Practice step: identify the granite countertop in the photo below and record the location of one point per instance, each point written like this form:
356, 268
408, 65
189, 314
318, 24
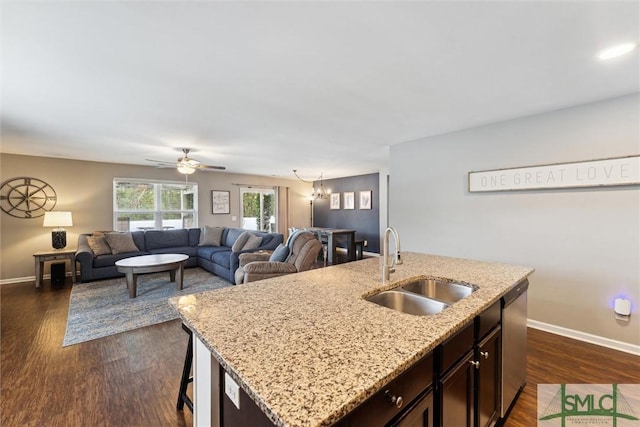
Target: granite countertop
307, 348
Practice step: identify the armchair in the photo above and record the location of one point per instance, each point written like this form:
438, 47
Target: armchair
303, 251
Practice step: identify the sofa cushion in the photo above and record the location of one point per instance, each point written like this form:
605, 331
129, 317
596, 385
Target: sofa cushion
121, 243
252, 242
222, 258
158, 239
206, 252
240, 241
231, 235
192, 251
194, 236
110, 260
98, 245
280, 254
211, 236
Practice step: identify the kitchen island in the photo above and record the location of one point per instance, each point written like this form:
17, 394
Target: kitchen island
307, 349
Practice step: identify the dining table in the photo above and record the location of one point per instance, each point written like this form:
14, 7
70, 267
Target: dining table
333, 234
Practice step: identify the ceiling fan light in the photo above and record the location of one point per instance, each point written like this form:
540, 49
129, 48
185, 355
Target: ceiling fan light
185, 168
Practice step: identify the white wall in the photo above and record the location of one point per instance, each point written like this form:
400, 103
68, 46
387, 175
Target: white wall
583, 243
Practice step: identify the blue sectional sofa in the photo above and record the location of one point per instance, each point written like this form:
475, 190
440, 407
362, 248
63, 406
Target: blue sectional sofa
219, 260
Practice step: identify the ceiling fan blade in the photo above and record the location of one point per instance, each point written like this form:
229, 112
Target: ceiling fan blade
162, 163
210, 167
189, 162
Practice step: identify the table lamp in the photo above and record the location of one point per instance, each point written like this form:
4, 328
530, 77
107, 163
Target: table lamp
58, 220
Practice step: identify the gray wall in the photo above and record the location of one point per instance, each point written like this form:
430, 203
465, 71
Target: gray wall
366, 222
583, 243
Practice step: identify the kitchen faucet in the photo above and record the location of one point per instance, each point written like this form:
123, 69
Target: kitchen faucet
397, 260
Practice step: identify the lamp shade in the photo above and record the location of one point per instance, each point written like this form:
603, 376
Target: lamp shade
57, 219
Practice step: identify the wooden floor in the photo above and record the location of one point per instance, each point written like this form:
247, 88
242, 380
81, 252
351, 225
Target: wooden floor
131, 379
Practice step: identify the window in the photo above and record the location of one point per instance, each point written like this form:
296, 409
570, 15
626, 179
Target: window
142, 204
258, 209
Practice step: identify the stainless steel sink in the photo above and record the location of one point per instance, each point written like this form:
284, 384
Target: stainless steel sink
409, 303
440, 290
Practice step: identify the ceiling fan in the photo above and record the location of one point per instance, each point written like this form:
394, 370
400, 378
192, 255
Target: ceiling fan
186, 165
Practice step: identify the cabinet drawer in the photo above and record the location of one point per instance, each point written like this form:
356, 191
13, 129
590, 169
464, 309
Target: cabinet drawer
56, 257
455, 347
487, 320
379, 410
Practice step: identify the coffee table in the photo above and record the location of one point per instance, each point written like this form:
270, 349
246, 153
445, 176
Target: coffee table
131, 267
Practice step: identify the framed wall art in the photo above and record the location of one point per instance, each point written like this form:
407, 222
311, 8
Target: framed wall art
334, 202
365, 200
349, 200
220, 202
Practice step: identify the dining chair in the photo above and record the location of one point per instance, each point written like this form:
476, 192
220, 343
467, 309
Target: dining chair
324, 240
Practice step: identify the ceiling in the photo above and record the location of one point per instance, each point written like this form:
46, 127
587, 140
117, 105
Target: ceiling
267, 87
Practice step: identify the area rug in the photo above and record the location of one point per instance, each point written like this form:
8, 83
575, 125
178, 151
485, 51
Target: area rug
102, 308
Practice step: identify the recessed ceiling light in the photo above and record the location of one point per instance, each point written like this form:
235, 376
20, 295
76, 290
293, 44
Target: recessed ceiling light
616, 51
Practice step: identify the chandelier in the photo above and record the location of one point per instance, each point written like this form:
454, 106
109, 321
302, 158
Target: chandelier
318, 193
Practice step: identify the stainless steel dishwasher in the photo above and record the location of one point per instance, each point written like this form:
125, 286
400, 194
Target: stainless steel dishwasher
514, 343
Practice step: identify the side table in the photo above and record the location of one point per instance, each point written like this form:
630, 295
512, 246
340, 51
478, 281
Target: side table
41, 257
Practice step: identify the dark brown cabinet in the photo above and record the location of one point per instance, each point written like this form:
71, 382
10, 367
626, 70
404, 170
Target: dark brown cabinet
420, 414
469, 369
456, 394
488, 353
455, 363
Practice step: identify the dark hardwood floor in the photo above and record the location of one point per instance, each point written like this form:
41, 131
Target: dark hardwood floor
132, 379
553, 359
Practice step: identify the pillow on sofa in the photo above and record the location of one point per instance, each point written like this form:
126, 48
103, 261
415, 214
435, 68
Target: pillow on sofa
121, 243
98, 245
245, 241
252, 242
280, 254
210, 236
240, 241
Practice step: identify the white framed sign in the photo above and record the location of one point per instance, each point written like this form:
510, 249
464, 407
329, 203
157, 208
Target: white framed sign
588, 173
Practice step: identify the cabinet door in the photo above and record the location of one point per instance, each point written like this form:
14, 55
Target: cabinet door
456, 394
420, 414
488, 380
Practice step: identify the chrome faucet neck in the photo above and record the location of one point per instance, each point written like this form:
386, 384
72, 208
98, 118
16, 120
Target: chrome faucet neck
386, 268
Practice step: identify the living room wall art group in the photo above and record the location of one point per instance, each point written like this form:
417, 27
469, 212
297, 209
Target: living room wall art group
349, 200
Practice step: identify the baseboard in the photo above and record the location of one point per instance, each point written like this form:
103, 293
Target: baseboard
17, 280
583, 336
31, 279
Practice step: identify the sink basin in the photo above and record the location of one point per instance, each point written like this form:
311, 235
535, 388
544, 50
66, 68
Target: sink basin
406, 302
440, 290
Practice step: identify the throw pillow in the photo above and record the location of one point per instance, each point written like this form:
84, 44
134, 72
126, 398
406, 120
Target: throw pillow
240, 241
280, 254
210, 236
98, 245
252, 242
121, 243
